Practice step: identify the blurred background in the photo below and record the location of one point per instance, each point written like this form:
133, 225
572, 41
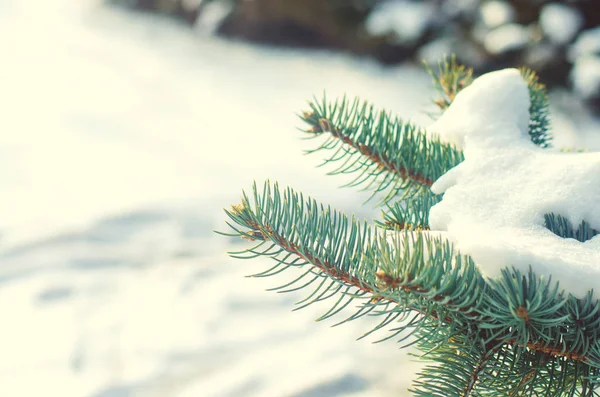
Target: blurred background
559, 39
127, 126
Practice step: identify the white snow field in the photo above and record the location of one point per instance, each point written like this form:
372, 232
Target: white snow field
122, 137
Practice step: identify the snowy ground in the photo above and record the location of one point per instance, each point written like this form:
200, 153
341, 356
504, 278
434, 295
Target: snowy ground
122, 137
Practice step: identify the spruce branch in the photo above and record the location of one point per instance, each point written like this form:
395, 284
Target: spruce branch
387, 268
428, 291
387, 154
539, 118
450, 78
562, 227
412, 214
515, 335
450, 376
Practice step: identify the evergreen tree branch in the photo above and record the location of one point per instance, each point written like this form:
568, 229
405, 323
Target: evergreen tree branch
562, 227
413, 214
354, 255
451, 78
387, 154
524, 381
416, 274
539, 117
514, 335
460, 367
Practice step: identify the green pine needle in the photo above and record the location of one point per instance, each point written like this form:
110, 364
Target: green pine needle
508, 335
450, 78
387, 155
539, 118
411, 214
561, 226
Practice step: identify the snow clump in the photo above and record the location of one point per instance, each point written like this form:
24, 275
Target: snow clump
494, 202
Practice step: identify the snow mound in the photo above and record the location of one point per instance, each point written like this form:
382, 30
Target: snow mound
494, 202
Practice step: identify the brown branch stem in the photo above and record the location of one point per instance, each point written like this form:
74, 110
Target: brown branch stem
475, 374
390, 282
382, 161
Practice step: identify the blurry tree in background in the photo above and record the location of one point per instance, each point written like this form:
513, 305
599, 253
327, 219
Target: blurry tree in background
559, 39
